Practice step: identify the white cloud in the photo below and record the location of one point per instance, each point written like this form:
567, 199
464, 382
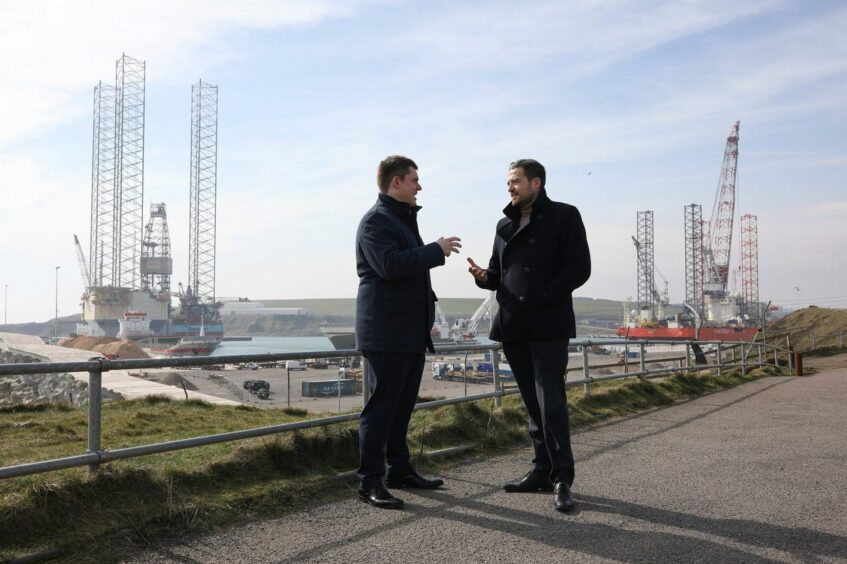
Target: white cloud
54, 52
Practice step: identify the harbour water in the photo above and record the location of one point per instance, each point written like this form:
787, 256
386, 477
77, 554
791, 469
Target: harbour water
263, 345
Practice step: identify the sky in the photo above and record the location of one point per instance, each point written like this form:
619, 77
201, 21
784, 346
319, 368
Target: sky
627, 103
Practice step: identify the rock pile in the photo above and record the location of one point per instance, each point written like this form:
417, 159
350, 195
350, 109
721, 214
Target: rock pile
38, 388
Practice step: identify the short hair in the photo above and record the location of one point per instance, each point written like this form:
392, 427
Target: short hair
391, 166
531, 169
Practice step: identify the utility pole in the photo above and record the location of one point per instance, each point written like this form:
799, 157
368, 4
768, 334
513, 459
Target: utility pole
56, 319
798, 297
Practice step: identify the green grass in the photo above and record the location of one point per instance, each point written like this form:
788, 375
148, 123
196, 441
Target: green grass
132, 502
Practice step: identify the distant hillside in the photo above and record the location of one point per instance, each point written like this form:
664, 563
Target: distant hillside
818, 321
585, 308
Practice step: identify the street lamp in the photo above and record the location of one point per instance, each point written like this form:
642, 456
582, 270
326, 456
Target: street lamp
56, 320
798, 298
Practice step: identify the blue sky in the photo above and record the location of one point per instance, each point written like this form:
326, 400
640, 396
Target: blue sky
313, 94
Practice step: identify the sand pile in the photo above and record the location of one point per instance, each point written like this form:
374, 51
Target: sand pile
117, 348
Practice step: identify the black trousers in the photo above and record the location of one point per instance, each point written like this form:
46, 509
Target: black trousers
394, 379
539, 369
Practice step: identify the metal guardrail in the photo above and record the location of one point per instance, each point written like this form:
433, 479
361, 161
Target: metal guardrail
96, 455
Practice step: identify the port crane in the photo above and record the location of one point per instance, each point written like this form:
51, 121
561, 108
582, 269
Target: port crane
465, 329
719, 246
83, 266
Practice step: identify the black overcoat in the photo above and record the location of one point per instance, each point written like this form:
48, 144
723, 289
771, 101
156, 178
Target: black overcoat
395, 305
535, 269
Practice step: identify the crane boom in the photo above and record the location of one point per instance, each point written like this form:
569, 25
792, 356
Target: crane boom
83, 267
723, 214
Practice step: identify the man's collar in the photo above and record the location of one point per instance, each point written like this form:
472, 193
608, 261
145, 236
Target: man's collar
397, 205
541, 201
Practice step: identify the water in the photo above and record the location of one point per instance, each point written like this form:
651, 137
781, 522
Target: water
263, 345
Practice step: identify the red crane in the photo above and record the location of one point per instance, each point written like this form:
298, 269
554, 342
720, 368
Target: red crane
723, 212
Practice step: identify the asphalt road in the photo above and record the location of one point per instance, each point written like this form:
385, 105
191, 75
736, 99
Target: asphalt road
753, 474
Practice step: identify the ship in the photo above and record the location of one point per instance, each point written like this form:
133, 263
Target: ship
199, 345
706, 333
342, 338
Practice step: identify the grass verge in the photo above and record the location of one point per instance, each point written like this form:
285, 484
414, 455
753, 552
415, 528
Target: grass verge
133, 503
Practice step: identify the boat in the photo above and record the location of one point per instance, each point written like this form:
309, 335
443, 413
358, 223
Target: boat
342, 338
199, 345
733, 333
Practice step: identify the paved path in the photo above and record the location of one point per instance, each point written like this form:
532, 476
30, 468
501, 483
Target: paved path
753, 474
118, 381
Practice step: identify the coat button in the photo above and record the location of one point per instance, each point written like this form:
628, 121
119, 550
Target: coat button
521, 299
526, 269
532, 241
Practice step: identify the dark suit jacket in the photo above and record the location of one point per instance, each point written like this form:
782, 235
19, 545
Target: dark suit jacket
395, 306
535, 270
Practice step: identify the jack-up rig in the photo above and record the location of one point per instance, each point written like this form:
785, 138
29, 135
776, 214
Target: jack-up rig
127, 277
711, 311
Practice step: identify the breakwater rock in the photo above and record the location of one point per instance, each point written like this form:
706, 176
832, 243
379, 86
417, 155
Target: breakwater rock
19, 389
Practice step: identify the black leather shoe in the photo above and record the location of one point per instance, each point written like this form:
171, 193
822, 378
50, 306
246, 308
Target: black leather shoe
414, 480
532, 481
378, 496
562, 498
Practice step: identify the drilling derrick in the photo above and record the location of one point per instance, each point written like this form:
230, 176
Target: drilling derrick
750, 267
156, 262
723, 213
694, 257
102, 233
203, 198
646, 266
129, 169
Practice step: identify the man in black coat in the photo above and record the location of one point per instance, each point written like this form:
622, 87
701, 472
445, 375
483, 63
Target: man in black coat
395, 310
540, 257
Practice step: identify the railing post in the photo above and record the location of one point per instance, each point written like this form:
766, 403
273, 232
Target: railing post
366, 385
761, 355
625, 358
718, 358
642, 363
95, 404
465, 372
498, 400
743, 360
288, 379
585, 387
776, 357
790, 360
688, 355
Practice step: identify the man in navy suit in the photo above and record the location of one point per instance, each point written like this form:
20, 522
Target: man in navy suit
395, 310
540, 257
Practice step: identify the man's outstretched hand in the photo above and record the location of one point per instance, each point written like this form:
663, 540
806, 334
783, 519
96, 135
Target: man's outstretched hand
479, 273
449, 245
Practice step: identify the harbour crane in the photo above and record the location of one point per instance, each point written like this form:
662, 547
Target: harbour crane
723, 213
83, 265
465, 329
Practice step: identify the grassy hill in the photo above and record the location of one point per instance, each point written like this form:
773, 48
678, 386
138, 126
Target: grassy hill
801, 325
